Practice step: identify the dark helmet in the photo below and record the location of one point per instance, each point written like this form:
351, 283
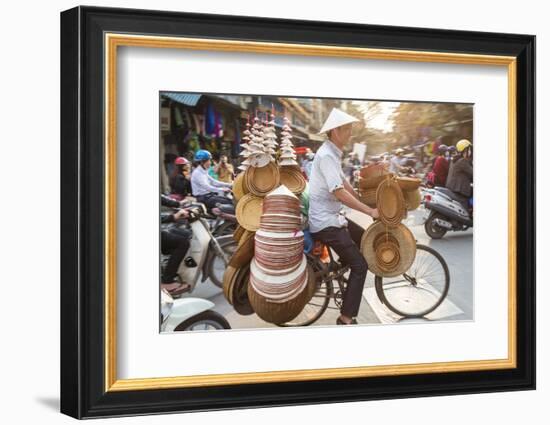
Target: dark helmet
442, 148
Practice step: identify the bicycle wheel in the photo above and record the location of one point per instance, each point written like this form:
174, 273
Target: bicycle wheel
418, 291
320, 300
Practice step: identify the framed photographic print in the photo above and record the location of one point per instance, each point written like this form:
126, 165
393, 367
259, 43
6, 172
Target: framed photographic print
261, 212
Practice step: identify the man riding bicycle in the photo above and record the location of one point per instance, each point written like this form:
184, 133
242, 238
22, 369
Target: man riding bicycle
329, 191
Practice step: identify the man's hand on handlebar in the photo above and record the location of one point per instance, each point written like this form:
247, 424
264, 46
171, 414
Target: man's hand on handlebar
181, 214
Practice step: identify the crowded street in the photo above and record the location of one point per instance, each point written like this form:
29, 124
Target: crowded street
456, 248
314, 212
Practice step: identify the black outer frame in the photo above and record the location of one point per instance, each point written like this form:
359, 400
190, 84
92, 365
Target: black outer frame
82, 206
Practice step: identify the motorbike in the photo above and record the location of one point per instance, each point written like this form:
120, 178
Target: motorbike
208, 255
225, 221
445, 212
189, 314
221, 219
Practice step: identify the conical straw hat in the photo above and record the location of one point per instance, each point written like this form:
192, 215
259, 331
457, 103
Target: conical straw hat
368, 197
249, 212
228, 276
337, 118
413, 198
239, 292
244, 252
262, 180
287, 162
239, 186
408, 183
390, 202
389, 251
293, 179
238, 233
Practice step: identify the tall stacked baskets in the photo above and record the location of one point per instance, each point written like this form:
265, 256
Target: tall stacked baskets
388, 245
268, 274
278, 289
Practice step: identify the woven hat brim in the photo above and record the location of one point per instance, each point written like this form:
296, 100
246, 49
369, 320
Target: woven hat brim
413, 199
293, 179
244, 252
408, 183
390, 202
249, 212
261, 181
407, 248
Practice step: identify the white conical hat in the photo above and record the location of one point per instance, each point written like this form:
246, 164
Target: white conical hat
287, 161
337, 118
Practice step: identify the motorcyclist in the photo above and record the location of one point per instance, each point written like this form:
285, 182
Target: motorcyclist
461, 173
179, 180
395, 162
307, 163
440, 166
174, 243
205, 188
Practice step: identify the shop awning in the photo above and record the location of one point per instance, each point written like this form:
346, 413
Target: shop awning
183, 98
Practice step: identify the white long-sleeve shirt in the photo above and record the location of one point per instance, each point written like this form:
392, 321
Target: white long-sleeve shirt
202, 183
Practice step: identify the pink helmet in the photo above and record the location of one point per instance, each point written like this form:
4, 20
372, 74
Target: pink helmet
180, 160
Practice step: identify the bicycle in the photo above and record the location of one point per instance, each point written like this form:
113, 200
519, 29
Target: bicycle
415, 293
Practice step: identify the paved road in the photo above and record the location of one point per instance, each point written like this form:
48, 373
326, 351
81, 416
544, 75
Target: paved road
456, 249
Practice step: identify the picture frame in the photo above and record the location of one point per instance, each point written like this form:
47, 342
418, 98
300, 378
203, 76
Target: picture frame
90, 39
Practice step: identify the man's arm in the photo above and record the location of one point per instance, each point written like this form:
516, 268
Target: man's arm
350, 201
349, 188
216, 184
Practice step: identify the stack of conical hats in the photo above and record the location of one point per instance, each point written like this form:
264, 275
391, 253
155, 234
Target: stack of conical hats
268, 272
287, 155
245, 148
388, 245
262, 175
279, 285
270, 137
290, 174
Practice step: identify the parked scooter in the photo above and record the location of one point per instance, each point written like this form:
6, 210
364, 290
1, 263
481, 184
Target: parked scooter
208, 255
446, 212
189, 314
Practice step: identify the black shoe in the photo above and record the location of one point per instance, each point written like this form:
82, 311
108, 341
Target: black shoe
341, 322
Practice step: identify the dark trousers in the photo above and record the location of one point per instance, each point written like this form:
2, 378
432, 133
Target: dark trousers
176, 245
211, 200
346, 242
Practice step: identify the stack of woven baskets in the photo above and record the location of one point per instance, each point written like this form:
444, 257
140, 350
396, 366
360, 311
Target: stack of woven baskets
372, 175
280, 282
388, 245
268, 273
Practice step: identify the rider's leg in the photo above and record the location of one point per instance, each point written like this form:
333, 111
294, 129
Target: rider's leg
356, 232
211, 200
340, 240
177, 246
